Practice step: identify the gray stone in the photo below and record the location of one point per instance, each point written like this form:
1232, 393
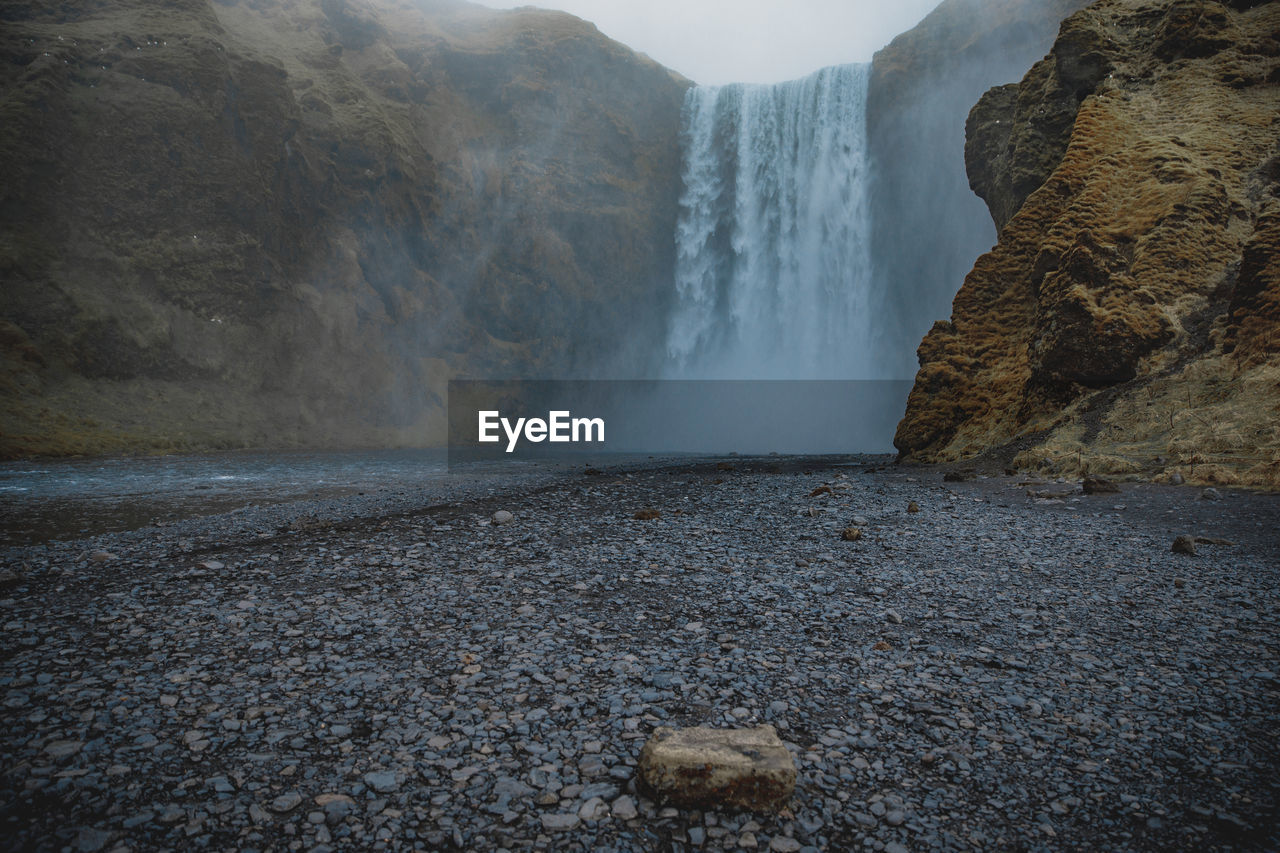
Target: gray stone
624, 808
560, 822
286, 802
382, 781
90, 839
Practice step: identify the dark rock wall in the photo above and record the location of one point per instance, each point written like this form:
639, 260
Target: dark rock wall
287, 222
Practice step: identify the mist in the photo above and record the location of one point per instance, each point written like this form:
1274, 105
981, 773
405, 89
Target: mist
749, 41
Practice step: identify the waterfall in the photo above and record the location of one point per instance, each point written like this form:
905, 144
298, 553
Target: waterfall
772, 243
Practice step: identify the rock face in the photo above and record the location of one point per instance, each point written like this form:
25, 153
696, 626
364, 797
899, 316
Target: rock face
922, 86
718, 768
273, 223
1127, 320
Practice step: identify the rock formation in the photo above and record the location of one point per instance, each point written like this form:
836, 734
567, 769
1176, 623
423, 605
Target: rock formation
922, 86
286, 222
1127, 320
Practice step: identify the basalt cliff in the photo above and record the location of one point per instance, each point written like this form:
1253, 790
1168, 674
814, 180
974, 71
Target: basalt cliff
1128, 321
276, 223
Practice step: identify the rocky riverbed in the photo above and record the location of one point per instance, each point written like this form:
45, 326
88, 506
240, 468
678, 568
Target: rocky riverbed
1014, 665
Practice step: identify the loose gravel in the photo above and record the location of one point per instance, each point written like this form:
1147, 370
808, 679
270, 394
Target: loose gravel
1013, 666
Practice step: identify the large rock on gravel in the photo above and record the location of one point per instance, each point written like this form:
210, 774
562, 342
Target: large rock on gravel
720, 768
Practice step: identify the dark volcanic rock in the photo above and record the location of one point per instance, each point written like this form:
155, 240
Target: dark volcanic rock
273, 224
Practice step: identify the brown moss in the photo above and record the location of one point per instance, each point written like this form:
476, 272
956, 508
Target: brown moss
1143, 265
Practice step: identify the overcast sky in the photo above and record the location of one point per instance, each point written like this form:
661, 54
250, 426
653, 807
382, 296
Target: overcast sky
752, 41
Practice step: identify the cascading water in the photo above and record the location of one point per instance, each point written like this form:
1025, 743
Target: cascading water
773, 265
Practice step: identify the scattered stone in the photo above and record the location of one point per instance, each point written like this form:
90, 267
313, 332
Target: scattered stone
337, 807
821, 490
722, 768
503, 517
100, 557
624, 808
382, 781
1099, 486
60, 749
593, 809
560, 822
90, 839
1184, 545
286, 802
851, 534
1210, 494
211, 565
509, 676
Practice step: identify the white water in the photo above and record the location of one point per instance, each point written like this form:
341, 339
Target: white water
773, 265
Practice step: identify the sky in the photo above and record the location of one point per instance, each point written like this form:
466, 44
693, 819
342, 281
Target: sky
746, 41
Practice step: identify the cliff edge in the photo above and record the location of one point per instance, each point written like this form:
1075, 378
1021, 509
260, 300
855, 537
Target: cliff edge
1127, 320
922, 86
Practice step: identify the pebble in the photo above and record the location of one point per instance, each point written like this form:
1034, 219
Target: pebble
560, 822
624, 808
286, 802
417, 678
383, 781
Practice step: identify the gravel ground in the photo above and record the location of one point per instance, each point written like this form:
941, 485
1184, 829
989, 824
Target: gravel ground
1014, 666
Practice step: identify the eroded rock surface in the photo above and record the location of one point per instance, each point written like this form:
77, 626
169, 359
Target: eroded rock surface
1126, 322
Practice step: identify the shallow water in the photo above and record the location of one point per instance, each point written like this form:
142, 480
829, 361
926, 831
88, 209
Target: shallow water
49, 499
45, 500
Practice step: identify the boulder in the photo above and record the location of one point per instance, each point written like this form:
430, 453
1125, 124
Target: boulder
1099, 486
718, 768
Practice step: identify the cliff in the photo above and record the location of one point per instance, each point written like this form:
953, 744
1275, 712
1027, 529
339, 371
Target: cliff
922, 86
1126, 322
280, 223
